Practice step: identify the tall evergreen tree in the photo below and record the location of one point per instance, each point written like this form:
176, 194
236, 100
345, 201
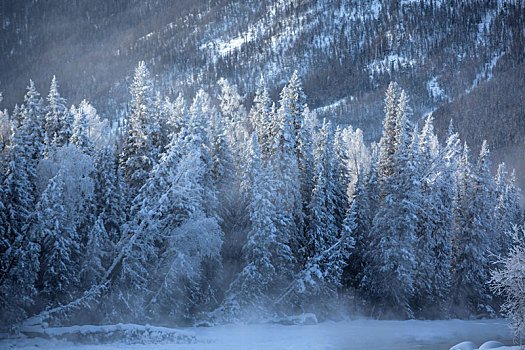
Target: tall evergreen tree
266, 255
434, 232
58, 119
285, 167
507, 211
109, 196
79, 136
20, 258
471, 243
388, 278
388, 143
173, 239
139, 152
262, 119
58, 278
33, 124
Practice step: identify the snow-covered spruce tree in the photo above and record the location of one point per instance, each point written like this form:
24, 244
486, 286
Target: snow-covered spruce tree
109, 196
365, 203
388, 278
389, 143
32, 121
172, 239
485, 196
262, 119
266, 255
284, 165
20, 257
79, 136
69, 170
322, 229
434, 232
235, 117
6, 128
471, 246
507, 281
162, 112
231, 204
196, 136
58, 279
58, 119
287, 147
139, 153
293, 104
341, 179
507, 211
327, 245
96, 250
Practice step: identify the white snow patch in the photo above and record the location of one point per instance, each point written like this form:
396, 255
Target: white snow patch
491, 344
385, 65
225, 47
332, 107
466, 345
486, 72
434, 90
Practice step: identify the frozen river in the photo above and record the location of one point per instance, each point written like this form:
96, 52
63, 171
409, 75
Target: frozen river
345, 335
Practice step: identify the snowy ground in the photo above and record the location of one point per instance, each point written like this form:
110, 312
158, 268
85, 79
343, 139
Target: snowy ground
356, 334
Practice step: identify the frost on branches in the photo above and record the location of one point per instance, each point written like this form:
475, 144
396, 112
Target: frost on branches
222, 209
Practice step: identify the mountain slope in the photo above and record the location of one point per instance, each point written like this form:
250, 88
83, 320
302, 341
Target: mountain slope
347, 51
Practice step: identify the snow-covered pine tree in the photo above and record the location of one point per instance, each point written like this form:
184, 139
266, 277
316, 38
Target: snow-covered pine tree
58, 119
235, 117
20, 259
172, 242
284, 165
262, 119
485, 203
388, 278
388, 144
176, 115
58, 279
16, 116
79, 136
341, 178
231, 204
95, 254
109, 196
139, 152
358, 157
469, 294
196, 136
434, 232
33, 124
267, 257
327, 245
507, 210
289, 122
161, 112
322, 229
364, 204
293, 103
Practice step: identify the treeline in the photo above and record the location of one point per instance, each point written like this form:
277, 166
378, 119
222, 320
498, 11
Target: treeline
213, 211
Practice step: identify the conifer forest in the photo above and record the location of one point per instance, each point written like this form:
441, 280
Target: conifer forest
222, 193
207, 209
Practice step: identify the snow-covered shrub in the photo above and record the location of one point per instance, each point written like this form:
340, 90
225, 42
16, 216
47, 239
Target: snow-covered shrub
509, 280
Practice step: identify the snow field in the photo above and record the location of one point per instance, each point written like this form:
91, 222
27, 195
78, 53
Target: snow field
346, 335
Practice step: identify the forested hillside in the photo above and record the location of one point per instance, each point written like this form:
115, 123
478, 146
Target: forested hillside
463, 56
205, 210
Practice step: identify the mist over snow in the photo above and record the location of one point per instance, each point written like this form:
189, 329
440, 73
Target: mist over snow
258, 174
